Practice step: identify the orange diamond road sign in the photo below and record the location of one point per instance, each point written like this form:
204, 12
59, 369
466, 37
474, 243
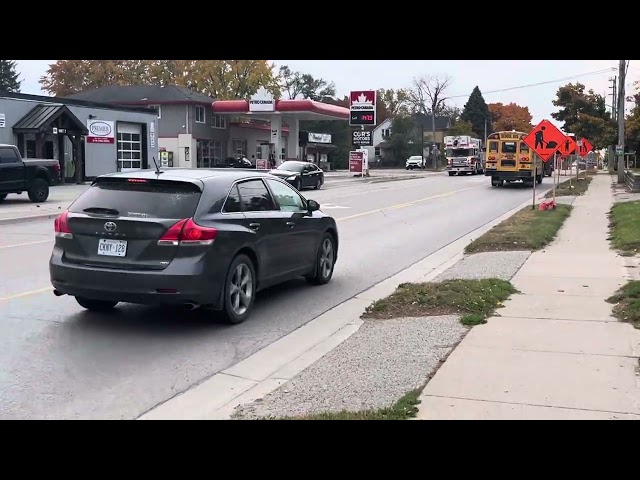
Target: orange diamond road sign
544, 139
585, 147
568, 147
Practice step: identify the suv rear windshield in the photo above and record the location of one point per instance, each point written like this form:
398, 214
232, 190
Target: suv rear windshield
145, 200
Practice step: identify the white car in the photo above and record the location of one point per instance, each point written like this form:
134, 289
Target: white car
415, 161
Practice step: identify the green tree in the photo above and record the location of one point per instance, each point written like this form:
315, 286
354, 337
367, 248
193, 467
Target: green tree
392, 103
404, 140
585, 114
9, 77
461, 127
304, 85
632, 126
477, 113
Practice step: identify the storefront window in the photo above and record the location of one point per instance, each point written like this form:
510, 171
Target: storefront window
209, 152
240, 147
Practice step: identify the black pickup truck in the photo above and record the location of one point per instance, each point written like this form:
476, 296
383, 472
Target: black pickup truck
32, 175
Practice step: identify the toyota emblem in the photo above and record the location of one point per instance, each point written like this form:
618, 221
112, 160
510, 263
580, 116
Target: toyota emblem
110, 226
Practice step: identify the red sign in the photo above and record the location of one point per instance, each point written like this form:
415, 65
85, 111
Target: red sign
363, 98
545, 139
585, 148
100, 140
568, 147
356, 160
362, 108
262, 164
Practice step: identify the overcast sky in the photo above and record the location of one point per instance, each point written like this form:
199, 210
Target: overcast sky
539, 79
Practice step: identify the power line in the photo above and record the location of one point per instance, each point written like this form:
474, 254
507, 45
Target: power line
597, 72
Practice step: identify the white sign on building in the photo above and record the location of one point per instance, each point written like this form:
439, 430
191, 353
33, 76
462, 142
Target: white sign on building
262, 101
100, 131
152, 134
3, 120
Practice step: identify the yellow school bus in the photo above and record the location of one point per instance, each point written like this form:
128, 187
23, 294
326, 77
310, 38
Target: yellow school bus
509, 159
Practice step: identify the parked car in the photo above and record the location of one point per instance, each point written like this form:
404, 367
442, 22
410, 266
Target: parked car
235, 162
415, 161
32, 175
300, 174
195, 238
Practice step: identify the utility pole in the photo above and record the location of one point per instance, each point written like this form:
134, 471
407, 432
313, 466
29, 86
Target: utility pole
614, 99
621, 78
433, 132
485, 133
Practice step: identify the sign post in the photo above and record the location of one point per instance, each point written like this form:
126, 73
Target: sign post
585, 148
544, 140
356, 162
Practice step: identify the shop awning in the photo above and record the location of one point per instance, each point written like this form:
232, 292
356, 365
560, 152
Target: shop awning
44, 117
326, 146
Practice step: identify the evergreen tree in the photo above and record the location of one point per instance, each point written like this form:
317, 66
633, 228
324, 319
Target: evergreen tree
9, 77
477, 112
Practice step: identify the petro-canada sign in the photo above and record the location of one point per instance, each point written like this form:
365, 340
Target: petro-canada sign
262, 101
362, 108
100, 131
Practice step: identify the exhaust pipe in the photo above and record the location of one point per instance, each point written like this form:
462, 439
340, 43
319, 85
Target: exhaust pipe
58, 293
190, 307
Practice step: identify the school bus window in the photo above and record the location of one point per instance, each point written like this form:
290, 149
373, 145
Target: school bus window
524, 148
508, 147
493, 147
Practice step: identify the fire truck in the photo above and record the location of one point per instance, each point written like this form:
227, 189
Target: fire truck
464, 155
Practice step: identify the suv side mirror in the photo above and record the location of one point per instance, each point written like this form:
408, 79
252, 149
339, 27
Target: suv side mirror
313, 206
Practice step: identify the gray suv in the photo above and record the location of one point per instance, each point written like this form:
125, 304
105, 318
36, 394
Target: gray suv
189, 237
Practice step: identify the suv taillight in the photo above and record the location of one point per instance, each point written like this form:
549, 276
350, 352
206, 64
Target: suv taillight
61, 226
187, 232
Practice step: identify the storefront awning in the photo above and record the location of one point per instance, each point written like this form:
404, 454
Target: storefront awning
44, 117
321, 146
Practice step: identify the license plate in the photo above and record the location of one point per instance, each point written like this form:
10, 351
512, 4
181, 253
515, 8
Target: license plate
112, 248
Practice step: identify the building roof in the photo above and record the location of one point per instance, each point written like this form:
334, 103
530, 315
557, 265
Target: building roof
68, 101
426, 121
386, 121
43, 116
143, 95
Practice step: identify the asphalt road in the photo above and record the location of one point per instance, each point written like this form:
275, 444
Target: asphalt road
59, 361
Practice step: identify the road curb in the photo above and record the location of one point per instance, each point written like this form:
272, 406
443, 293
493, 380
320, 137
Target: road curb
217, 397
28, 218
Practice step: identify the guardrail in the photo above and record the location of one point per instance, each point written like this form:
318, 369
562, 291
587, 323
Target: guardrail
632, 181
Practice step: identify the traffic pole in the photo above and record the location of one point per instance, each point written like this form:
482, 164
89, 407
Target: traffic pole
579, 143
555, 167
535, 171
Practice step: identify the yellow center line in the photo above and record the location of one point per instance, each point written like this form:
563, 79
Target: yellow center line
404, 205
25, 294
26, 244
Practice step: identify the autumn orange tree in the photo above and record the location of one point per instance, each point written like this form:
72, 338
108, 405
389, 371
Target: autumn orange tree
510, 117
222, 79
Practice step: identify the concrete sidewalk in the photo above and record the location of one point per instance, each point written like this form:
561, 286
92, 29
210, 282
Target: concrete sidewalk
555, 351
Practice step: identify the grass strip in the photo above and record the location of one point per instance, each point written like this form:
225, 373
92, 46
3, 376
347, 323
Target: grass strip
526, 230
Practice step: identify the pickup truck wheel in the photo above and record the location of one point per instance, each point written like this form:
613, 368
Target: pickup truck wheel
39, 190
3, 196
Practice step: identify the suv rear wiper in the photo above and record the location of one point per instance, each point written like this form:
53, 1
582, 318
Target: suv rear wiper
105, 211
